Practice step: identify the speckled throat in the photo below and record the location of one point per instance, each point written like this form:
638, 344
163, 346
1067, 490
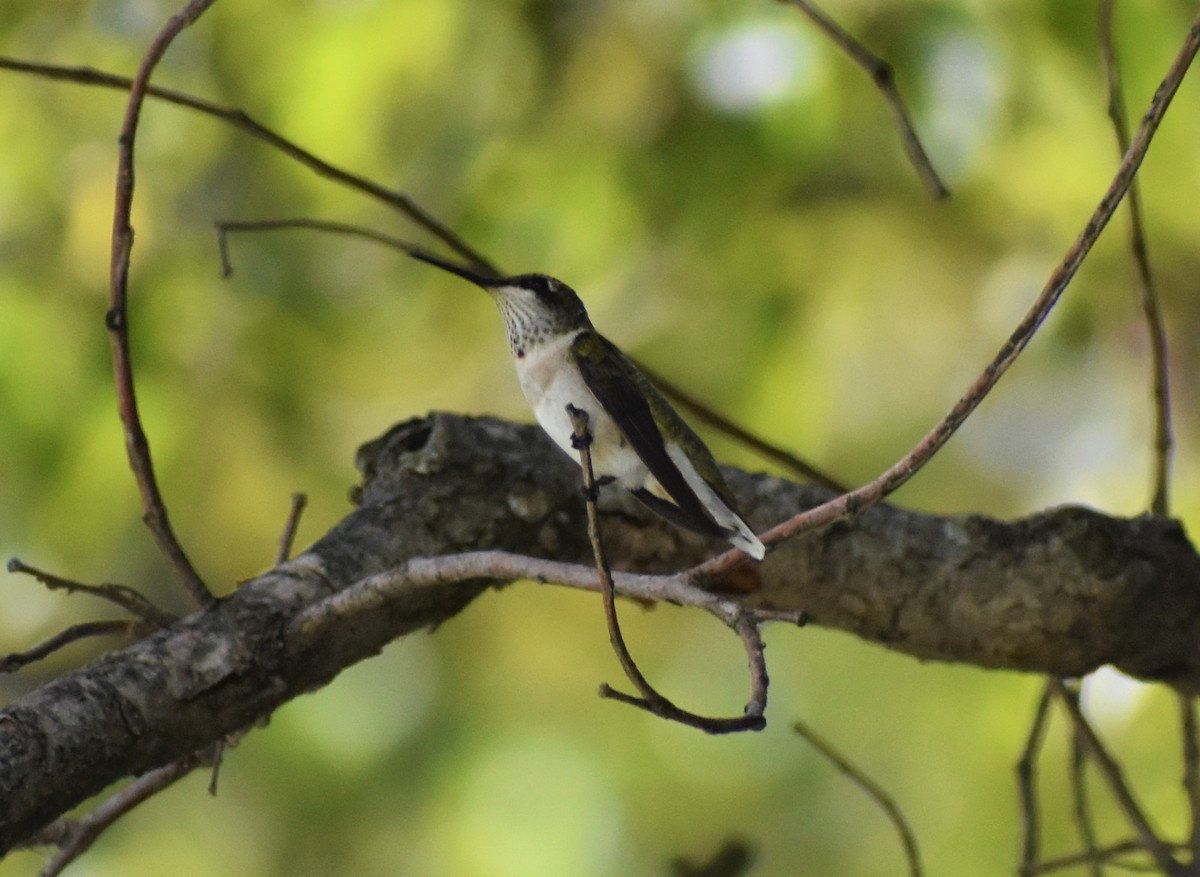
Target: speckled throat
534, 316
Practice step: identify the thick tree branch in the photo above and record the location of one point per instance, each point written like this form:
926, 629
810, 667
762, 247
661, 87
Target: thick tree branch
1062, 593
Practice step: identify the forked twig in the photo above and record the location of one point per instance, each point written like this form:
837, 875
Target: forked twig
650, 699
1100, 856
1147, 291
137, 445
874, 791
1158, 849
884, 77
899, 473
1031, 823
119, 595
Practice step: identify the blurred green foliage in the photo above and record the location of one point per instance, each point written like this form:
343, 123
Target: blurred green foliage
729, 195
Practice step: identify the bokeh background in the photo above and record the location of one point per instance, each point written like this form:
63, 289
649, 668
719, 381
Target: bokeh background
729, 195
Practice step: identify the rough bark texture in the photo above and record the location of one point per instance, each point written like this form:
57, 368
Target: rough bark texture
1062, 592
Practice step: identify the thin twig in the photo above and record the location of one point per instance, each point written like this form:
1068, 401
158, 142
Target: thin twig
73, 837
873, 790
899, 473
1159, 850
650, 700
288, 537
226, 227
1191, 769
243, 122
1102, 854
85, 630
884, 77
1079, 793
120, 595
137, 445
1027, 785
1147, 290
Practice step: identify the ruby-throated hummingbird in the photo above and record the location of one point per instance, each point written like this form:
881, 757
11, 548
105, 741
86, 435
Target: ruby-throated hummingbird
638, 440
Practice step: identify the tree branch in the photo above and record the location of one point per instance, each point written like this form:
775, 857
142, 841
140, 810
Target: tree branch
1062, 593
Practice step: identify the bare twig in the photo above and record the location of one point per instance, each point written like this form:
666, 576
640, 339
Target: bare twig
243, 122
226, 227
1158, 849
120, 595
650, 700
73, 837
884, 77
117, 627
899, 473
1027, 785
1147, 291
1191, 769
873, 790
1100, 855
117, 319
288, 537
1079, 793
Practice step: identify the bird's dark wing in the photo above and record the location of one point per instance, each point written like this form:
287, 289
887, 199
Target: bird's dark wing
610, 377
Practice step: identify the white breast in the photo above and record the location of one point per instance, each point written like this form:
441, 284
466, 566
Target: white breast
550, 384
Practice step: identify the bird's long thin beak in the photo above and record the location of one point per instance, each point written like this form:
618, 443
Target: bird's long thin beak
481, 280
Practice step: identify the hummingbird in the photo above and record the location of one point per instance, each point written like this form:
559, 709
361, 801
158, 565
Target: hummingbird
638, 440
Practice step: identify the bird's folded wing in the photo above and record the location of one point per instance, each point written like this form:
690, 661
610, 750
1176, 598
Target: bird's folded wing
605, 370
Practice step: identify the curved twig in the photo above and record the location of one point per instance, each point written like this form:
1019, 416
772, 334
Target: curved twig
650, 698
117, 319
